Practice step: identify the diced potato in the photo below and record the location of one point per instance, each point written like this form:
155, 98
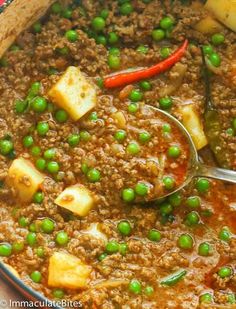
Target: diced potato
95, 232
67, 271
12, 270
24, 178
119, 117
193, 124
74, 93
208, 25
224, 11
77, 199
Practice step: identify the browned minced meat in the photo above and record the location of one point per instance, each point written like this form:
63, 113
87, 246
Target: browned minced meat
145, 260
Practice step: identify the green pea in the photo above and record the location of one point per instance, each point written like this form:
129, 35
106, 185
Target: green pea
94, 175
62, 238
135, 95
84, 136
165, 103
185, 242
124, 228
42, 128
217, 39
40, 252
14, 48
6, 146
206, 298
98, 24
20, 106
158, 35
67, 13
104, 14
166, 23
47, 226
166, 128
207, 49
120, 135
142, 49
225, 234
102, 256
37, 27
93, 116
154, 235
123, 248
113, 38
33, 227
71, 35
73, 140
231, 298
135, 286
166, 208
128, 195
39, 104
101, 39
17, 247
225, 272
174, 151
5, 249
113, 61
38, 197
28, 141
175, 199
169, 182
192, 218
36, 276
63, 51
23, 221
126, 8
114, 51
84, 168
141, 189
149, 290
49, 153
56, 8
34, 89
193, 201
31, 239
230, 131
53, 167
145, 85
215, 59
203, 185
133, 148
58, 293
165, 52
204, 249
112, 247
61, 116
35, 151
133, 108
144, 137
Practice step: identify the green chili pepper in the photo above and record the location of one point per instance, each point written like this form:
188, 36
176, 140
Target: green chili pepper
174, 278
212, 123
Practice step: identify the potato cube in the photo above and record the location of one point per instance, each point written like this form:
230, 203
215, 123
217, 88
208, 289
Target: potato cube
120, 120
193, 124
74, 93
24, 178
77, 199
67, 271
208, 25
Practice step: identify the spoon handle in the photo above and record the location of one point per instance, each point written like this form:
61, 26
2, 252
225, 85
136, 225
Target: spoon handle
216, 173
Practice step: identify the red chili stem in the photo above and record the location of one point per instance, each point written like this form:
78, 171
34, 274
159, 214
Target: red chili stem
122, 79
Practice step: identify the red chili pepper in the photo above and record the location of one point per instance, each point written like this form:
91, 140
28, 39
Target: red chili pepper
126, 78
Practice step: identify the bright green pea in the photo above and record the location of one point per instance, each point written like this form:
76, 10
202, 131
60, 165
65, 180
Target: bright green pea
225, 234
114, 51
124, 228
93, 116
40, 252
206, 298
49, 153
165, 103
6, 146
23, 221
58, 293
135, 95
193, 201
53, 167
73, 140
42, 128
101, 39
145, 85
38, 197
94, 175
112, 247
168, 182
149, 290
102, 256
154, 235
31, 239
175, 199
20, 106
204, 249
67, 13
166, 208
84, 168
120, 135
166, 23
166, 128
185, 242
158, 35
39, 104
98, 24
62, 238
141, 189
123, 248
225, 272
208, 49
35, 151
113, 38
113, 62
36, 276
126, 8
61, 116
84, 136
217, 39
104, 14
192, 218
144, 137
34, 89
143, 49
133, 108
165, 52
28, 141
135, 286
230, 131
128, 195
47, 226
215, 59
202, 185
5, 249
133, 148
71, 35
100, 82
33, 227
17, 247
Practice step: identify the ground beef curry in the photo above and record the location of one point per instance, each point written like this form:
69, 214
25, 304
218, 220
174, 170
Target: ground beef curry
77, 156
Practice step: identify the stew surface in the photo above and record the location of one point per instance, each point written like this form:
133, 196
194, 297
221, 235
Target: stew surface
80, 159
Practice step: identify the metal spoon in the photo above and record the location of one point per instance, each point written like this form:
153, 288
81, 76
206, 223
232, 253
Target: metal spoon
196, 168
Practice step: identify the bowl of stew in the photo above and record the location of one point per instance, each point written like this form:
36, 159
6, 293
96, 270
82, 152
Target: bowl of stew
85, 154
